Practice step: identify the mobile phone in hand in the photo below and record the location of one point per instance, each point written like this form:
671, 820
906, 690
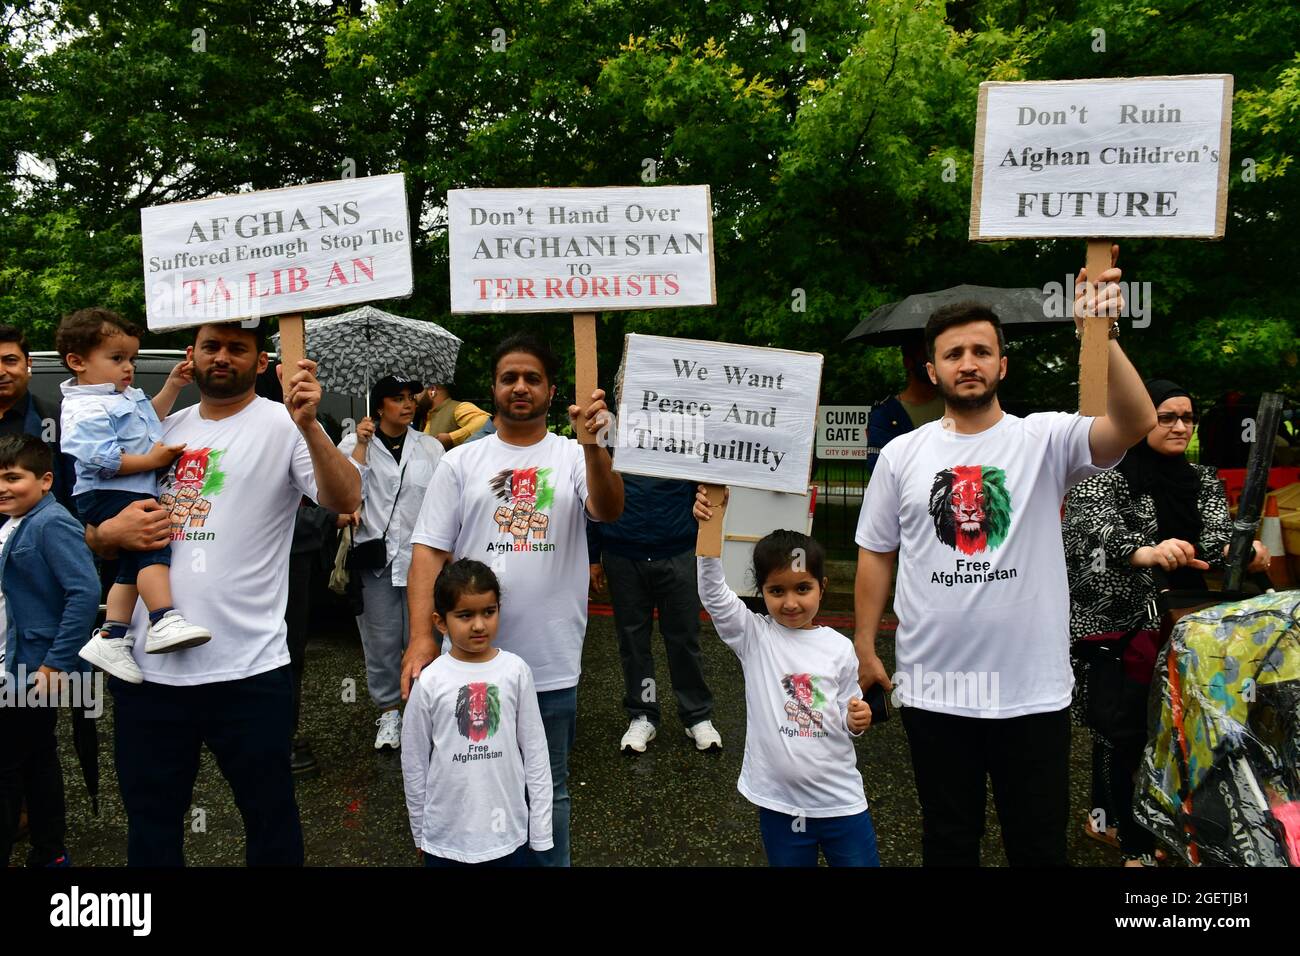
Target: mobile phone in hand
878, 701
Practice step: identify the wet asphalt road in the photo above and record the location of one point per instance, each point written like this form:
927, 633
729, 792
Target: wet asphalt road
672, 806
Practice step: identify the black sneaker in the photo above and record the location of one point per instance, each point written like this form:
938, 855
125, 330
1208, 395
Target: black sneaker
302, 762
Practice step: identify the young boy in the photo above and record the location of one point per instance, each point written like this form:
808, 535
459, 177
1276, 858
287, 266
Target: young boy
113, 432
49, 595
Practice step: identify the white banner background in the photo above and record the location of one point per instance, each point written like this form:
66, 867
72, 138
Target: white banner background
580, 250
1178, 121
276, 252
717, 413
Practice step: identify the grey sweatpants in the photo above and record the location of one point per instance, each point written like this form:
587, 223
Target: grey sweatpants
385, 631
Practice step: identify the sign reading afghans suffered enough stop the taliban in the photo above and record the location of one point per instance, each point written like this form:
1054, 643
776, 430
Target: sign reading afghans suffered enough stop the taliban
580, 250
276, 252
717, 413
1141, 156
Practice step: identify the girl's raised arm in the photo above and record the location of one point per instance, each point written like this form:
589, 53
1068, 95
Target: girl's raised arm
735, 623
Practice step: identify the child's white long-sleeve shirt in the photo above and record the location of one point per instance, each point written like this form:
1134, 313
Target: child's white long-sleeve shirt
799, 756
472, 741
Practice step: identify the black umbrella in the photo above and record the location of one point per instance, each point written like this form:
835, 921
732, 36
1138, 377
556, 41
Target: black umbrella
85, 741
1020, 310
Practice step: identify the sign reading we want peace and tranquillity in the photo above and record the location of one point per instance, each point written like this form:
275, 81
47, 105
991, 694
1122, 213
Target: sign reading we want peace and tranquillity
717, 413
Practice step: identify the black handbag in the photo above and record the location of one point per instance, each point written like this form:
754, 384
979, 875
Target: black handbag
373, 555
1115, 700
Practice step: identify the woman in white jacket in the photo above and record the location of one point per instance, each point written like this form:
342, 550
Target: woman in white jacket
397, 464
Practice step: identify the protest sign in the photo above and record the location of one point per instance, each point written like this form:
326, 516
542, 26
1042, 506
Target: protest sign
1101, 159
580, 251
717, 413
276, 252
842, 431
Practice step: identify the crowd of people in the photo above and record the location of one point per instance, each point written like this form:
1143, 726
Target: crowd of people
475, 541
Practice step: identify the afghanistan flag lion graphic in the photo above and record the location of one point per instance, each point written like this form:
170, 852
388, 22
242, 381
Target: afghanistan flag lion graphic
971, 507
478, 711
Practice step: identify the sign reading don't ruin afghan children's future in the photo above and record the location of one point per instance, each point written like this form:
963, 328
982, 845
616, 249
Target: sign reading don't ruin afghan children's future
717, 413
580, 250
1141, 156
276, 252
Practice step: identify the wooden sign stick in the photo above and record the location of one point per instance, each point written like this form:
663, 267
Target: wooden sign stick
584, 369
293, 344
1094, 351
708, 540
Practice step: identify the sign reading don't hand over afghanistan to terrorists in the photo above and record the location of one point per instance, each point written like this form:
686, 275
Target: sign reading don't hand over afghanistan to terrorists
717, 413
1146, 156
580, 250
276, 252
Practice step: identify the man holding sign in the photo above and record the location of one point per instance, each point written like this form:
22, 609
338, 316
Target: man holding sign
970, 507
245, 468
516, 501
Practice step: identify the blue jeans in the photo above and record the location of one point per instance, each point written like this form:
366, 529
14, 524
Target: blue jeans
794, 841
560, 718
518, 858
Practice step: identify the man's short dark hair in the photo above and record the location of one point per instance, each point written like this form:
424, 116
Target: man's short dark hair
26, 452
10, 333
529, 344
258, 331
81, 332
961, 313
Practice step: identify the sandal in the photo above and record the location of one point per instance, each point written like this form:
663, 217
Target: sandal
1108, 837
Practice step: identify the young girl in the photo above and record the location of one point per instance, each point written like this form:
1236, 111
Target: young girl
473, 740
802, 703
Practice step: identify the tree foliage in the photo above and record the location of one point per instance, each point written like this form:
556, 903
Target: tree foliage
836, 136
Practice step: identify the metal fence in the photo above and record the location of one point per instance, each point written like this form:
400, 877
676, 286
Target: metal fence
840, 485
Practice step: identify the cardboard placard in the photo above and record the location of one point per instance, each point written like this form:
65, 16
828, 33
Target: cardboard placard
1139, 156
277, 251
580, 250
717, 413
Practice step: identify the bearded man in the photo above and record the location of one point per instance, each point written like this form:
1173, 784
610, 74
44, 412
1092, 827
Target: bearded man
970, 505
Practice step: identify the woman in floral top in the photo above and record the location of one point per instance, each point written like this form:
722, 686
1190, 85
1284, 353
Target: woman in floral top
1154, 510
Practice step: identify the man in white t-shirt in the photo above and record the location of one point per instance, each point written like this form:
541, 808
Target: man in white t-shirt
516, 500
227, 508
970, 506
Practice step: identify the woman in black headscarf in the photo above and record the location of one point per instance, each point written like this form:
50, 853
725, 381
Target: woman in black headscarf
1155, 510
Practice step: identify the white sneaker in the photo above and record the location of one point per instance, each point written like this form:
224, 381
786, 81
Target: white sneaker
705, 735
639, 733
390, 730
112, 657
174, 633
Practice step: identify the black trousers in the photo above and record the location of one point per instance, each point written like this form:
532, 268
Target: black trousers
1028, 760
297, 619
160, 731
638, 589
29, 766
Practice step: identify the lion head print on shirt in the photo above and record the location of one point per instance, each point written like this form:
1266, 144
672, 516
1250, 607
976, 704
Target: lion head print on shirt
971, 507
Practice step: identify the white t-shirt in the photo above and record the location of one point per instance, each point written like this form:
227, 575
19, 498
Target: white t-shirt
799, 756
981, 596
520, 510
233, 495
472, 743
383, 480
6, 529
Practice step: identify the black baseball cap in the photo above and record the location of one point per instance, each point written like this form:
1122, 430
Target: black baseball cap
390, 386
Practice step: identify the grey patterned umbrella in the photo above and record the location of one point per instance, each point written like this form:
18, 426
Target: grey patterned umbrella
355, 348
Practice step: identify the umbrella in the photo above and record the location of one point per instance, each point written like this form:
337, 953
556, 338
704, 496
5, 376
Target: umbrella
355, 348
1020, 310
85, 741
